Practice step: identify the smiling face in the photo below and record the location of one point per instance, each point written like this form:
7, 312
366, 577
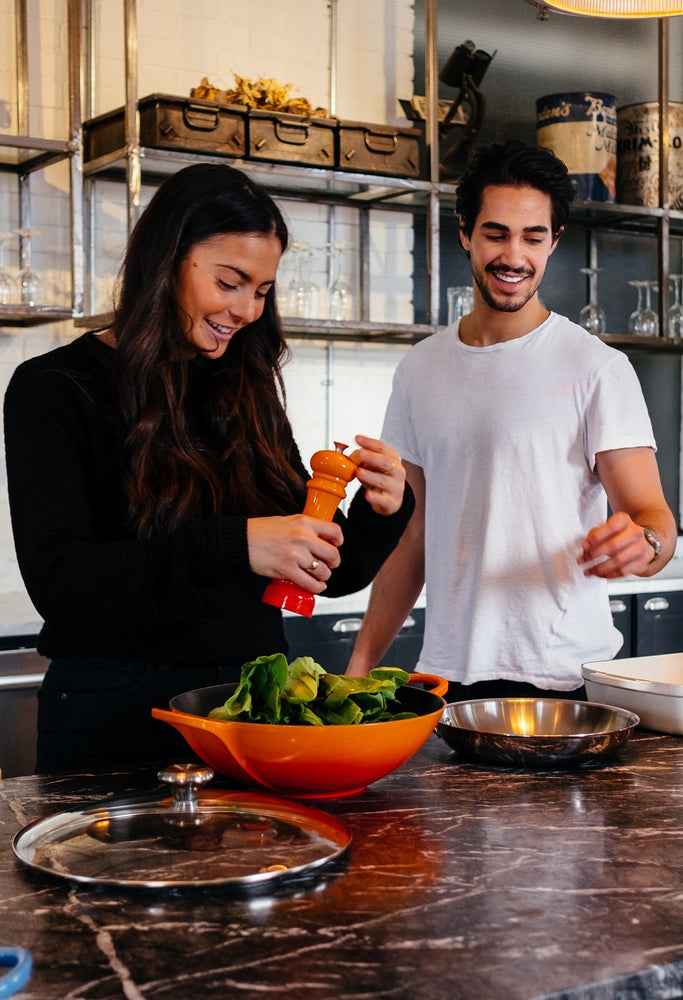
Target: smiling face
222, 286
510, 245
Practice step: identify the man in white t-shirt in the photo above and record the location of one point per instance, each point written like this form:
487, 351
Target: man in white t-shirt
516, 428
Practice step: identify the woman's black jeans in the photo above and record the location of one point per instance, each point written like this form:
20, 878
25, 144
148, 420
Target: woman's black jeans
94, 712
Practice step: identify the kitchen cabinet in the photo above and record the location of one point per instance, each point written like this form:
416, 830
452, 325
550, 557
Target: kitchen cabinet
329, 639
651, 623
622, 616
658, 623
21, 673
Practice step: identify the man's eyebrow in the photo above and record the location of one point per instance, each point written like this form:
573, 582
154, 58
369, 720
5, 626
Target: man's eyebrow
499, 227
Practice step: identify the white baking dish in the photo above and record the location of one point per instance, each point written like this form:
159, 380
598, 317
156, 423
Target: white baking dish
650, 686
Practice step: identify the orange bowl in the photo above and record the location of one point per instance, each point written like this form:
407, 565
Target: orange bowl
306, 761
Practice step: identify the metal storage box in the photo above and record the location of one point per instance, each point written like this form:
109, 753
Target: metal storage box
171, 123
283, 138
379, 149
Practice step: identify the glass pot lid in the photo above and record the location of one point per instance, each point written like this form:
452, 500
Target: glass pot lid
195, 837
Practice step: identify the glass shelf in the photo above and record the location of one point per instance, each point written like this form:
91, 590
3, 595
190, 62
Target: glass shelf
637, 343
396, 333
307, 329
315, 329
626, 218
280, 178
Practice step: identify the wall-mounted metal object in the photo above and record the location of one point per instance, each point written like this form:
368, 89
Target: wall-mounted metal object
464, 69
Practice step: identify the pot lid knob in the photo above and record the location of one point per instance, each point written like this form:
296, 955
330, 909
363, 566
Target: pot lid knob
185, 781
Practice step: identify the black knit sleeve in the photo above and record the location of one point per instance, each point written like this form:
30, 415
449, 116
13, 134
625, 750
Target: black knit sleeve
79, 561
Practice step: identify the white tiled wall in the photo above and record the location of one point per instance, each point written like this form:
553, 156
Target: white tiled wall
334, 391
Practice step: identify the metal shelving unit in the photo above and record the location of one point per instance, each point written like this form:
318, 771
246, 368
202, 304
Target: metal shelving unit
425, 198
22, 155
134, 165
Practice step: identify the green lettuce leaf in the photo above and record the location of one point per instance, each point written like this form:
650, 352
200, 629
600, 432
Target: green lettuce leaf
300, 693
303, 675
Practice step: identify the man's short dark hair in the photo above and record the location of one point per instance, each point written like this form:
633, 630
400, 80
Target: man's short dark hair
514, 164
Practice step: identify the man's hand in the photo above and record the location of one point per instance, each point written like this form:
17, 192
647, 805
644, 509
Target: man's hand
616, 548
631, 480
381, 473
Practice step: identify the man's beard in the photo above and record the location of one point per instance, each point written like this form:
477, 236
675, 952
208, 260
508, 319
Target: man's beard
502, 304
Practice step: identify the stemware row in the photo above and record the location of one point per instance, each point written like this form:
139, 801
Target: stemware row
644, 320
303, 297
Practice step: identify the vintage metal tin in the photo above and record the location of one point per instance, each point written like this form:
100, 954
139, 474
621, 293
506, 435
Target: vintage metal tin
168, 122
380, 149
287, 138
638, 154
581, 128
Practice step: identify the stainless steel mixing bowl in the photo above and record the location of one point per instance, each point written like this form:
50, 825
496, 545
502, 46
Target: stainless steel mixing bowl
534, 732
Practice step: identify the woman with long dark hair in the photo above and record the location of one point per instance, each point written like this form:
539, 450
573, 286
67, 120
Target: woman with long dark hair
155, 486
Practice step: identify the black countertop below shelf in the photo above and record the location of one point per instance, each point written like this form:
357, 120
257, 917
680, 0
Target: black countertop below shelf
462, 882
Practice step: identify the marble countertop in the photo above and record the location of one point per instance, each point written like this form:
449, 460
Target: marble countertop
462, 882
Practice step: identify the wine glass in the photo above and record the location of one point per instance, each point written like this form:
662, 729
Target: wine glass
592, 317
311, 305
634, 320
8, 285
644, 320
29, 281
460, 302
341, 293
676, 310
295, 296
649, 319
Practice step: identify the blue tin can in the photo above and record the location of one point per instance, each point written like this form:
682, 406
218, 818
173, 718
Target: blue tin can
581, 128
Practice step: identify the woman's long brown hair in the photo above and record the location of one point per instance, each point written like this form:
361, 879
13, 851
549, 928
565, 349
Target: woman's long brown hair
201, 436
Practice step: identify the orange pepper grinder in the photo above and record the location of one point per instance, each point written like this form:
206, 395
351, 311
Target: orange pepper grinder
332, 471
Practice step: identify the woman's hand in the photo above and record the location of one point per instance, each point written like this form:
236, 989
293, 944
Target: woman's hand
299, 548
381, 473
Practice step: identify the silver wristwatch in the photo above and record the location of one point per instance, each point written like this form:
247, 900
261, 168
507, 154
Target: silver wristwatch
654, 542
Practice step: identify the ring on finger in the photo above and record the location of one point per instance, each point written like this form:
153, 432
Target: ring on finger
313, 567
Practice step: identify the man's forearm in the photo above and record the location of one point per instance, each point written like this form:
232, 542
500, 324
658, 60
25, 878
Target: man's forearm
394, 592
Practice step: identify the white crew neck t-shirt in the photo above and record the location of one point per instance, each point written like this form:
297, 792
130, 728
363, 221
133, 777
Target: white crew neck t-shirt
507, 436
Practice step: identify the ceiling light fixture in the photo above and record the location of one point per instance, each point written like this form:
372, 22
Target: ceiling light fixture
612, 8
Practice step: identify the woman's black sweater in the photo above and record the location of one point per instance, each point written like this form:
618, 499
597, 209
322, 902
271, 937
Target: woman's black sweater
189, 598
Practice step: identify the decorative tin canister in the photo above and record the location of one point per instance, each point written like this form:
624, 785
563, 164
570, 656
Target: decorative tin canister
581, 128
638, 154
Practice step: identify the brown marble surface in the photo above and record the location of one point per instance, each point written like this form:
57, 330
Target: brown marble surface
462, 882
